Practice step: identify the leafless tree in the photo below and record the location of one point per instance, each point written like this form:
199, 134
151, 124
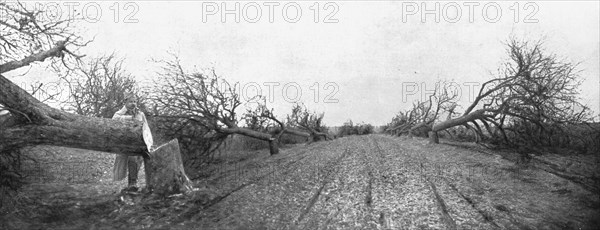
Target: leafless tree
100, 87
533, 88
208, 100
28, 36
307, 121
25, 38
423, 115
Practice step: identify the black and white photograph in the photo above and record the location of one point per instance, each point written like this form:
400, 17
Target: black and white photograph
300, 114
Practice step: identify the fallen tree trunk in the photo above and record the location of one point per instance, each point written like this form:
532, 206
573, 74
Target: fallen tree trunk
296, 132
478, 114
272, 139
462, 120
37, 123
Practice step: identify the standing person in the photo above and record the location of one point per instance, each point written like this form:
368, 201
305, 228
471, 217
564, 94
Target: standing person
125, 163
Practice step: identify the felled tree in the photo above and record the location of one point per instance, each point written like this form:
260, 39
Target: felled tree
307, 121
263, 119
421, 117
26, 38
207, 100
533, 87
37, 123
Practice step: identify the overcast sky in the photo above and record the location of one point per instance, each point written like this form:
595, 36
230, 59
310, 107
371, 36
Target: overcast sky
365, 58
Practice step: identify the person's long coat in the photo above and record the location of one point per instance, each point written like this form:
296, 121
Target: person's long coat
120, 167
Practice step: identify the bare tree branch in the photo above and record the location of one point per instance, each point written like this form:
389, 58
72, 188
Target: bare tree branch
534, 95
209, 101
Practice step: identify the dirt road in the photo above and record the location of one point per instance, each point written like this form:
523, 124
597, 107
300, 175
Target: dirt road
382, 182
357, 182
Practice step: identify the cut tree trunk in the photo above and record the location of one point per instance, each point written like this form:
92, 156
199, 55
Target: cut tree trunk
273, 142
433, 134
319, 136
164, 170
37, 123
478, 114
272, 139
433, 137
274, 146
296, 132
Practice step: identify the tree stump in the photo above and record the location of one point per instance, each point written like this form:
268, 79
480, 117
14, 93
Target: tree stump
164, 170
274, 146
433, 137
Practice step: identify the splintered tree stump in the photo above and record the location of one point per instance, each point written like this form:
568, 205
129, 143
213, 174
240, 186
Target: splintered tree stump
164, 170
